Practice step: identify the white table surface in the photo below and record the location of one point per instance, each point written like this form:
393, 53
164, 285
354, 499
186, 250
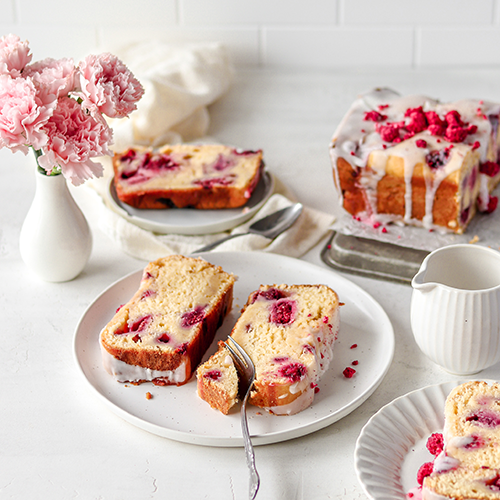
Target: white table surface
58, 441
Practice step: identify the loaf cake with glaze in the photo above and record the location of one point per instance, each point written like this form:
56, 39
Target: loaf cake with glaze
413, 160
208, 176
161, 334
289, 332
468, 467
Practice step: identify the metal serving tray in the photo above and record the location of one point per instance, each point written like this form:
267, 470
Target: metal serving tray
372, 258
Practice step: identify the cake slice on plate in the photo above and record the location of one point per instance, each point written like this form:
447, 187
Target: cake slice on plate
289, 332
161, 334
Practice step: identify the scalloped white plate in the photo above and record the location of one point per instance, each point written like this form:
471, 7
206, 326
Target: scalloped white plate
178, 413
191, 221
391, 446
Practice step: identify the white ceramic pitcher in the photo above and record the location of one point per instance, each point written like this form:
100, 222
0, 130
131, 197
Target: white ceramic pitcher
455, 308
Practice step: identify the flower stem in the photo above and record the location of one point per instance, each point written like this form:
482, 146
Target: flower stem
55, 170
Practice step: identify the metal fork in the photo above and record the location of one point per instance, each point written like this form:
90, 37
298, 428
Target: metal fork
246, 371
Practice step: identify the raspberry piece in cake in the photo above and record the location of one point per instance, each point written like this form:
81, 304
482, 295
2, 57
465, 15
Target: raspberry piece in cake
283, 330
158, 335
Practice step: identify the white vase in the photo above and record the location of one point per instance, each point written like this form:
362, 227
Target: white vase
55, 240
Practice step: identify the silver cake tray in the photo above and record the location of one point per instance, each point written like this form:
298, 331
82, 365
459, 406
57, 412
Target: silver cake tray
372, 258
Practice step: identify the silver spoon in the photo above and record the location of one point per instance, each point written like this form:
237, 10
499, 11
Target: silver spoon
270, 226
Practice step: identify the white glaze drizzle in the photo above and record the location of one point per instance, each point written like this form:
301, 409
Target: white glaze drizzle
356, 139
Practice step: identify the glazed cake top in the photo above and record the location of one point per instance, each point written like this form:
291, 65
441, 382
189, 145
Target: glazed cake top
381, 119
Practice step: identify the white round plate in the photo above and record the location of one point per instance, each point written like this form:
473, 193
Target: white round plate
178, 413
392, 445
191, 221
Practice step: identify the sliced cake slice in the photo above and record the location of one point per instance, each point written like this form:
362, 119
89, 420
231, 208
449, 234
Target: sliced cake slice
162, 333
207, 176
289, 332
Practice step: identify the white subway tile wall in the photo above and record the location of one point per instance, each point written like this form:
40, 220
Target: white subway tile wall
279, 33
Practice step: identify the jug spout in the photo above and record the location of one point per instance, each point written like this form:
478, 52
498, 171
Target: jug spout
418, 282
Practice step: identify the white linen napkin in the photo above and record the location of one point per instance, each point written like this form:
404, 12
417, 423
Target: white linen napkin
179, 82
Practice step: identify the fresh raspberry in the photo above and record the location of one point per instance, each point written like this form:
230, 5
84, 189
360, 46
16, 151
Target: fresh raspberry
349, 372
418, 121
453, 118
389, 132
293, 371
222, 163
140, 324
148, 293
128, 155
270, 294
494, 484
211, 182
182, 349
435, 443
160, 162
283, 312
492, 205
193, 317
433, 119
213, 375
424, 471
477, 442
374, 116
436, 130
476, 145
280, 359
485, 418
355, 363
464, 215
437, 158
420, 143
490, 168
455, 133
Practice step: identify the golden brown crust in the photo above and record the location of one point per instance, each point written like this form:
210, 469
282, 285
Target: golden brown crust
391, 190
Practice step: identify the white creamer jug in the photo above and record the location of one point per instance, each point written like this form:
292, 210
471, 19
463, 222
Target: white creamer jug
455, 308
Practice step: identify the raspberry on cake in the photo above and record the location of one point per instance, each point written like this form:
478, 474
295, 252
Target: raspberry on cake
468, 467
289, 332
163, 331
210, 176
416, 161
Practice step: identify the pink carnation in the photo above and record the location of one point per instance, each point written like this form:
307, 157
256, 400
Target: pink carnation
14, 55
53, 78
22, 115
109, 86
74, 138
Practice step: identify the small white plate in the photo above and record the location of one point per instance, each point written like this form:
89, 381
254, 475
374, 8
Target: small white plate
191, 221
178, 413
392, 445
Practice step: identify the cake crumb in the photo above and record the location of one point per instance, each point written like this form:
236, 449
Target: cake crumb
149, 395
475, 239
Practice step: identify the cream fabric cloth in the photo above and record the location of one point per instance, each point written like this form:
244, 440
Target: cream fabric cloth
179, 83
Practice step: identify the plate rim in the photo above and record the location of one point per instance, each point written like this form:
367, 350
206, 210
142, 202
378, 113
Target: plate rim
257, 439
209, 228
446, 387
